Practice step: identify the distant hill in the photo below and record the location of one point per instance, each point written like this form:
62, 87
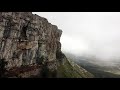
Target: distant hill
98, 68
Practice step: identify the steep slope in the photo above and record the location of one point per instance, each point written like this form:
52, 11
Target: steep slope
98, 68
100, 71
71, 70
30, 47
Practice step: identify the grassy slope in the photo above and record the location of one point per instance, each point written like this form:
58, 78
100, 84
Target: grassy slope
72, 70
100, 73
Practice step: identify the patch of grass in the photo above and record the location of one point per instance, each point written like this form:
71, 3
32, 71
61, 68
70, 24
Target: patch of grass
67, 71
71, 70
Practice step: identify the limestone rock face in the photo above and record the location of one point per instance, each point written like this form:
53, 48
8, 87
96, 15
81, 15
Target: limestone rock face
30, 47
28, 39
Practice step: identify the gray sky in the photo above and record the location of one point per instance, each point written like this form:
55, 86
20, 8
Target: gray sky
90, 33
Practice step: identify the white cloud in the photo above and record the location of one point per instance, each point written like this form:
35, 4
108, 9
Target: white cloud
97, 33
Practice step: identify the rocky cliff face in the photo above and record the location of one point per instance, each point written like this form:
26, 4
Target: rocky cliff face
30, 47
28, 40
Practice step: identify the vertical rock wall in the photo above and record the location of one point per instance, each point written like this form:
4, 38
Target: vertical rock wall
27, 39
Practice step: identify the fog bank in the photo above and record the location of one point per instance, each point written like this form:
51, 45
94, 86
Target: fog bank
88, 33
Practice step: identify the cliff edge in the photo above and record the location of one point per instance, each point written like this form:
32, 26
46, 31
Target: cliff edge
29, 46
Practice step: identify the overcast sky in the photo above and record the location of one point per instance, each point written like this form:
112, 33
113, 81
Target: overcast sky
92, 33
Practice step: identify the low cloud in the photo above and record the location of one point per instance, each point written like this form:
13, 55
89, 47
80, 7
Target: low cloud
88, 33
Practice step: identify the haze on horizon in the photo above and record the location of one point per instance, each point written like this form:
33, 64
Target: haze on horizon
88, 33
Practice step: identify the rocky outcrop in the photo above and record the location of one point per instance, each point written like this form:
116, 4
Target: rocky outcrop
28, 40
30, 47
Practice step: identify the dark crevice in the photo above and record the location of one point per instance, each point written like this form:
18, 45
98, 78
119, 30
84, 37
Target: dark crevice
23, 35
3, 63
